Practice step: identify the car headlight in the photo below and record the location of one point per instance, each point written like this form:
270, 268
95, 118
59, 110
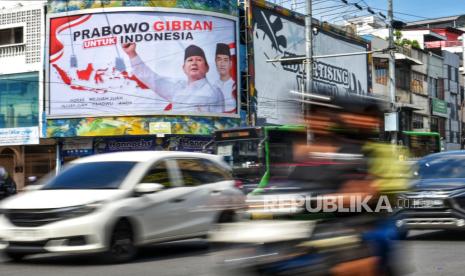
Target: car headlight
82, 210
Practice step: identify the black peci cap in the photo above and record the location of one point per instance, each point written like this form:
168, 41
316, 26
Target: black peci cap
222, 49
193, 50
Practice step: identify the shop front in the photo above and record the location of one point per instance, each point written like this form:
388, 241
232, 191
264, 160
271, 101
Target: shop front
73, 148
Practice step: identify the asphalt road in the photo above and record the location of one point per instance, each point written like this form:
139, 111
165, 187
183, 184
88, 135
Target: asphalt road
427, 253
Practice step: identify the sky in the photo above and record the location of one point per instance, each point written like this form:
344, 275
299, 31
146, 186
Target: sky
405, 10
420, 8
416, 9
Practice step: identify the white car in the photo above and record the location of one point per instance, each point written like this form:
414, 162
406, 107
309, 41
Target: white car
114, 202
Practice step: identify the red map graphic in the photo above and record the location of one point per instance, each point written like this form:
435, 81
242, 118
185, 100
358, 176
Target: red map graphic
98, 78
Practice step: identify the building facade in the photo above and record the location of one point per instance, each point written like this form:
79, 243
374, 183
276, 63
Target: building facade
22, 152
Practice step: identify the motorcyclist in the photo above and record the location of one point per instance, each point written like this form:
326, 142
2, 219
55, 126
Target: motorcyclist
7, 184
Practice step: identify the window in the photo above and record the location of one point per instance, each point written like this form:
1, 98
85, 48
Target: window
433, 87
453, 107
403, 78
440, 89
381, 71
91, 175
201, 171
417, 121
192, 171
11, 36
416, 85
434, 124
19, 100
214, 173
158, 174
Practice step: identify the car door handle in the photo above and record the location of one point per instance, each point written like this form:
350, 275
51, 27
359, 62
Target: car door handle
177, 200
215, 192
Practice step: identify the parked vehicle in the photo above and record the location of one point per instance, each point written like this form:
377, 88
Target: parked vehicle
114, 202
437, 199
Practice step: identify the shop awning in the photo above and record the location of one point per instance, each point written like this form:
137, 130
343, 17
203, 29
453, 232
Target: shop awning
407, 59
408, 106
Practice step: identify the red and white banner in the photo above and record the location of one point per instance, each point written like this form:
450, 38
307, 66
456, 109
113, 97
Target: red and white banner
140, 63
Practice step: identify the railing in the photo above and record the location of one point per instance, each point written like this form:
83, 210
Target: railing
12, 50
404, 50
440, 44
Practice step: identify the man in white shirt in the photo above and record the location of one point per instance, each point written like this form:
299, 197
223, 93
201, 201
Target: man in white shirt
194, 95
226, 84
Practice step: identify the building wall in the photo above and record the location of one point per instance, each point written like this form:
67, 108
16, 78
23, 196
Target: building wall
17, 59
27, 56
451, 88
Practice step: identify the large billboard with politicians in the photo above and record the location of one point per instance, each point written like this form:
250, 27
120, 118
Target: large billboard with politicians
277, 34
142, 62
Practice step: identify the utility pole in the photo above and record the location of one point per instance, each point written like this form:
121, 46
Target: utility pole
308, 64
462, 101
392, 70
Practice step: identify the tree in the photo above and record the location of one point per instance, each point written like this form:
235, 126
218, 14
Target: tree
403, 41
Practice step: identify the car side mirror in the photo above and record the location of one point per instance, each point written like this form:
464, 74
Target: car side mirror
148, 188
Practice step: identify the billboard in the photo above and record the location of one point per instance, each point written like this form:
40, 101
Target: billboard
138, 125
222, 6
142, 63
276, 35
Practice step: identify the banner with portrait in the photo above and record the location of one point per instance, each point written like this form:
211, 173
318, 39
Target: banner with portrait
141, 63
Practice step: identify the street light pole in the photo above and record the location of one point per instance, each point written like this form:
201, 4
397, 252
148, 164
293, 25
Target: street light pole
308, 64
392, 70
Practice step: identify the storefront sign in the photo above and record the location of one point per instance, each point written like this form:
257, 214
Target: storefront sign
77, 147
169, 142
391, 121
19, 136
160, 128
127, 144
439, 107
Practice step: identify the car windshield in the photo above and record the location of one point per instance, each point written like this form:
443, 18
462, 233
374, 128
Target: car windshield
444, 167
92, 175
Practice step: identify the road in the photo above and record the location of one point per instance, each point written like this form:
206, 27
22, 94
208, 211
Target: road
430, 253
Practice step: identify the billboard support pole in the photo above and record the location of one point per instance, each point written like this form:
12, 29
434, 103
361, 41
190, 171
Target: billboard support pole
308, 64
392, 70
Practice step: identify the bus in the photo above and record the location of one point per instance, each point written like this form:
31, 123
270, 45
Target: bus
421, 144
258, 153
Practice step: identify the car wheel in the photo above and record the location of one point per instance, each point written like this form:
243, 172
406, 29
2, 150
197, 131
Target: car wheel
121, 247
15, 257
227, 216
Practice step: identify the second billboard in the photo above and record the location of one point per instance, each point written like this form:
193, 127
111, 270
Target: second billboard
142, 63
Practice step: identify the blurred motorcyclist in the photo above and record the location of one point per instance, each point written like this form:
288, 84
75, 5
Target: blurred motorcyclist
380, 175
7, 184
